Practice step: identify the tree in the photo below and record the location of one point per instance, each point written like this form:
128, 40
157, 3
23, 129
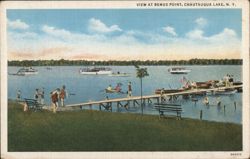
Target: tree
141, 73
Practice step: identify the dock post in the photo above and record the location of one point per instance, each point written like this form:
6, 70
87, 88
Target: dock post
224, 109
234, 106
201, 115
100, 108
117, 107
90, 106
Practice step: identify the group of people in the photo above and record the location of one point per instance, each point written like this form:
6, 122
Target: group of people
39, 95
119, 90
58, 95
206, 101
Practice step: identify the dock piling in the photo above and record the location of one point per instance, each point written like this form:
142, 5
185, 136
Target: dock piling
224, 109
201, 114
234, 106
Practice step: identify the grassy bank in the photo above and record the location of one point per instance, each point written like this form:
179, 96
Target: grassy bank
102, 131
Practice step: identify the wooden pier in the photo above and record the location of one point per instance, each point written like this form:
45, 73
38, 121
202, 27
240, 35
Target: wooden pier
126, 102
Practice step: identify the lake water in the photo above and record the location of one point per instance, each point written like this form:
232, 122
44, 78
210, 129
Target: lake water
91, 87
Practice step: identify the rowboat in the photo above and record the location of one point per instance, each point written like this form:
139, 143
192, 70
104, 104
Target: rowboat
119, 74
112, 91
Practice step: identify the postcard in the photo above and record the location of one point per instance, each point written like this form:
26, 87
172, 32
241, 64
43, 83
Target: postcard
125, 79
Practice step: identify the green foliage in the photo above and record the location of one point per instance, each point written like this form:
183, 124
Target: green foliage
63, 62
141, 72
88, 130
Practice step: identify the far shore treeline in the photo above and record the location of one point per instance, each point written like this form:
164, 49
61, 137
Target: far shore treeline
63, 62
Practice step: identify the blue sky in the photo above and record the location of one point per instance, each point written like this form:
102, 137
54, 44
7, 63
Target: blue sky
105, 34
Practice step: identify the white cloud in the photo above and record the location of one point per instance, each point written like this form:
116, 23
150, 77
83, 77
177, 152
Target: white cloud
96, 25
170, 30
225, 35
60, 43
201, 22
17, 24
195, 34
56, 32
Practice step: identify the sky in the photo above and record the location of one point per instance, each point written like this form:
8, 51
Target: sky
123, 34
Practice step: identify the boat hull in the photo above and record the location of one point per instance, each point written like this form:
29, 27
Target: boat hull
27, 73
180, 72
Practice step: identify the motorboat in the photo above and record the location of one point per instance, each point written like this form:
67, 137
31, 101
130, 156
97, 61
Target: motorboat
26, 71
95, 71
178, 70
119, 74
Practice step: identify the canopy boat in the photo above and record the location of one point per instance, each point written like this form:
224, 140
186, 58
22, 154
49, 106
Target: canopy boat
95, 71
178, 70
26, 71
203, 85
119, 74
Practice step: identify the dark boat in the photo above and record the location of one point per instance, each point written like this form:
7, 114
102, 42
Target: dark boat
203, 85
238, 83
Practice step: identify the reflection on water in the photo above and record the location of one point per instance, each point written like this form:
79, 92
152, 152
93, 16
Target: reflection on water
83, 88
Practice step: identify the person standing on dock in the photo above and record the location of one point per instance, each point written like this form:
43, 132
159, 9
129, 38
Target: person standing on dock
162, 97
63, 95
129, 89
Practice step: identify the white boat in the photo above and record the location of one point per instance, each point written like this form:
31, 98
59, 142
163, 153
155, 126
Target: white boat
225, 92
95, 71
26, 71
178, 70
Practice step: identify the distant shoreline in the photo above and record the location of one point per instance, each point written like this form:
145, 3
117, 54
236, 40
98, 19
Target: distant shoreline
63, 62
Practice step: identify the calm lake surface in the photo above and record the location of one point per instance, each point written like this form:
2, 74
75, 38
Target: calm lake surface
86, 88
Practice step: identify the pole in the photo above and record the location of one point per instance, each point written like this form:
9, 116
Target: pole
201, 115
234, 106
141, 98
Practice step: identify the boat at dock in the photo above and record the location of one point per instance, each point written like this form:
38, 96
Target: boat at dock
226, 92
95, 71
164, 91
178, 70
26, 71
